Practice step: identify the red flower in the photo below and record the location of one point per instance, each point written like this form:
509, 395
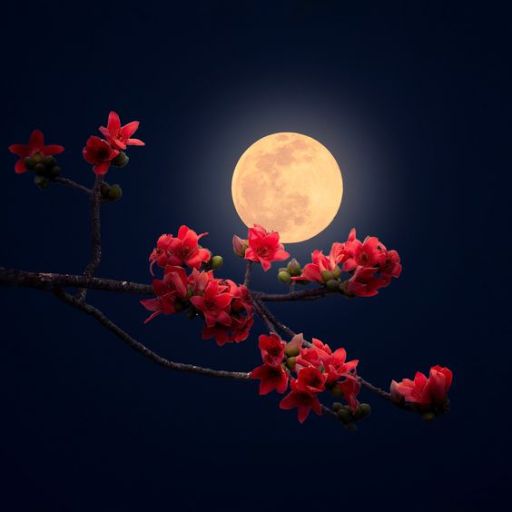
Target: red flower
272, 349
392, 266
35, 145
311, 380
322, 269
431, 390
271, 377
99, 154
302, 400
183, 249
349, 387
241, 314
213, 304
119, 136
366, 282
171, 293
264, 247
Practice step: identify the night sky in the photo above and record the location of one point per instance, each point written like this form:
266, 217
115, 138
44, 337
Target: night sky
414, 103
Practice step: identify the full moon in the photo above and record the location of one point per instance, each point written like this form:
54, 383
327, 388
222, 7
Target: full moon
287, 182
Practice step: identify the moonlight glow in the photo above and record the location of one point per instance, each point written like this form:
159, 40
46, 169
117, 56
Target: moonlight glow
287, 182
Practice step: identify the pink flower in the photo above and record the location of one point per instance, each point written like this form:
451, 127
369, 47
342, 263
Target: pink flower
239, 246
271, 348
423, 390
35, 145
183, 249
119, 136
264, 247
271, 378
366, 281
303, 401
99, 154
392, 266
349, 387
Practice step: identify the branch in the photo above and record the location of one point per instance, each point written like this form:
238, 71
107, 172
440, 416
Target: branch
95, 234
72, 184
49, 281
139, 347
247, 275
310, 294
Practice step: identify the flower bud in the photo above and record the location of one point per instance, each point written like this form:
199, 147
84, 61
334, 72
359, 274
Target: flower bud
40, 168
284, 276
41, 182
291, 350
363, 411
294, 267
121, 160
239, 246
290, 362
345, 415
216, 262
29, 163
337, 406
332, 284
336, 272
54, 171
327, 275
115, 192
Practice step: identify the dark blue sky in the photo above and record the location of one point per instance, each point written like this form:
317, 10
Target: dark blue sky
413, 101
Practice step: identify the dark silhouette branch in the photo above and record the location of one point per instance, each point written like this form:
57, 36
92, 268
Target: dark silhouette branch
95, 234
71, 184
139, 347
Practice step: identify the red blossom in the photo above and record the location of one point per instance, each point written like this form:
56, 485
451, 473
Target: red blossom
264, 247
322, 269
366, 281
349, 387
271, 378
272, 349
183, 249
423, 390
311, 380
120, 136
171, 293
302, 400
99, 153
35, 145
213, 304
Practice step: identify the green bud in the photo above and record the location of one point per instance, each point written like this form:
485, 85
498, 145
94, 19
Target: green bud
337, 406
29, 162
336, 272
55, 171
49, 161
37, 157
41, 182
284, 277
290, 362
291, 350
363, 411
115, 192
344, 415
332, 284
294, 267
216, 262
40, 168
121, 160
327, 275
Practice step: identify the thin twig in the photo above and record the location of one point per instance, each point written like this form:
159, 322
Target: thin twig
274, 320
309, 294
95, 234
72, 184
375, 389
139, 347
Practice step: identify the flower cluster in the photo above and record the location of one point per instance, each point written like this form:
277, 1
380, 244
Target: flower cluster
225, 306
306, 369
369, 264
261, 246
428, 394
102, 153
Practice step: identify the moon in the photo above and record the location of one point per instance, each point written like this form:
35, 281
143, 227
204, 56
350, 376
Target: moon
287, 182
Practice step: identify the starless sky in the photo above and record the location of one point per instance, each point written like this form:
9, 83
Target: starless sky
412, 101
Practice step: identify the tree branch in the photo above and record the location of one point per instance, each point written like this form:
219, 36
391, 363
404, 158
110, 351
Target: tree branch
71, 184
139, 347
95, 235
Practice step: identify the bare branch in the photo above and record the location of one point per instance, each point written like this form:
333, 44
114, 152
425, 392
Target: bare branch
139, 347
72, 184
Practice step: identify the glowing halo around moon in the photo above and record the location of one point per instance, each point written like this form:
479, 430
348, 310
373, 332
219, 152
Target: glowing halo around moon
287, 182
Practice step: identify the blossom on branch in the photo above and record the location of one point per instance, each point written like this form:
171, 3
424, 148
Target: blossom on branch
35, 146
99, 153
303, 401
424, 391
264, 247
120, 136
183, 249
